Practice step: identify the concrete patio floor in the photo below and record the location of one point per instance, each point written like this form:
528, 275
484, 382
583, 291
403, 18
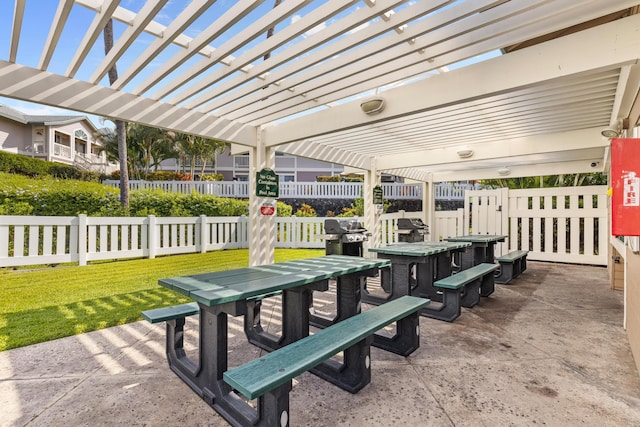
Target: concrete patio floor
548, 349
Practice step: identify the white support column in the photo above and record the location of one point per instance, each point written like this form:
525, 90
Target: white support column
429, 207
371, 211
262, 229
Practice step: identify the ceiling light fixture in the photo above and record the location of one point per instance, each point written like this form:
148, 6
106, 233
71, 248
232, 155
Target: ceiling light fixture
609, 133
504, 170
463, 153
613, 131
372, 105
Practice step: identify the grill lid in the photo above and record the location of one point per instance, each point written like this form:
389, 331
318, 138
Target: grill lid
334, 226
411, 224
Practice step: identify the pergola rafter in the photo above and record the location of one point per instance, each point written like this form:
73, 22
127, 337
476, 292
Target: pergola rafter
205, 73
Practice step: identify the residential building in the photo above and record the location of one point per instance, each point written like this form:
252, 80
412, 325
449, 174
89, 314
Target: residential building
71, 140
289, 168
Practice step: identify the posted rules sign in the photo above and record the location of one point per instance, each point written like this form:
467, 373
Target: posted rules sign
267, 184
625, 181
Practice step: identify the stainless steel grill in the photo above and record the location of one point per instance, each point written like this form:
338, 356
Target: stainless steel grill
412, 230
344, 237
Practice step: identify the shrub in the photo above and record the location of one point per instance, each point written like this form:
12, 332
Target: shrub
283, 209
334, 178
212, 177
20, 195
165, 176
305, 211
8, 207
32, 167
160, 203
23, 165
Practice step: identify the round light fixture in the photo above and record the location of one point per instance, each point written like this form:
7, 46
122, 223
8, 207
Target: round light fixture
504, 170
609, 133
372, 105
464, 153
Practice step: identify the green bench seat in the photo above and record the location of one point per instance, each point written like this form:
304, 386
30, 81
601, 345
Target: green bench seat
163, 314
269, 378
511, 266
462, 289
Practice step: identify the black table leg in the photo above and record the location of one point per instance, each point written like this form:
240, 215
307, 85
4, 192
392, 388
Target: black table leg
398, 282
205, 377
348, 297
295, 317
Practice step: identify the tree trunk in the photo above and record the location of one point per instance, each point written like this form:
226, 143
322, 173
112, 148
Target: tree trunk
271, 30
121, 129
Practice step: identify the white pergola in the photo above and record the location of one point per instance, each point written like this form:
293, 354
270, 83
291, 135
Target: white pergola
471, 88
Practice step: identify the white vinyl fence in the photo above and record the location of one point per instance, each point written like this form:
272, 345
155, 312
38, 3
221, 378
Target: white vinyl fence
558, 224
568, 224
27, 240
296, 190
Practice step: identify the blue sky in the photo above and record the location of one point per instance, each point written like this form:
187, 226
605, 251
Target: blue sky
37, 22
39, 15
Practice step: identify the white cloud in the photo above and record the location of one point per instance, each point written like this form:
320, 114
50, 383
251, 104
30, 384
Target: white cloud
316, 29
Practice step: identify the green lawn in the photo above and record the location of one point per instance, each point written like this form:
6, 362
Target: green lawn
46, 304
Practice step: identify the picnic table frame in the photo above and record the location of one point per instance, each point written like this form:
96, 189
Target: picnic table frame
237, 293
432, 261
482, 249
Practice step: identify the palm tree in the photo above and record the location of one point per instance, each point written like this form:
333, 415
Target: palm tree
194, 149
210, 148
121, 131
152, 147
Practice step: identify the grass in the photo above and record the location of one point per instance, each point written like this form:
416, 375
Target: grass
46, 304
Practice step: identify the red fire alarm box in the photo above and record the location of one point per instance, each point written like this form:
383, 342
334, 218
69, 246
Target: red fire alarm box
625, 181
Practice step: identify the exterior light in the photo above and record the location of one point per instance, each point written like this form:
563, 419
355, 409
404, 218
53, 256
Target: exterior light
504, 170
464, 153
610, 133
372, 105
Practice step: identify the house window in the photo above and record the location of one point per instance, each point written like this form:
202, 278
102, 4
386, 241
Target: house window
81, 135
38, 134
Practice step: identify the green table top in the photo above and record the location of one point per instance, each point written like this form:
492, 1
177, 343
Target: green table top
234, 285
478, 238
420, 249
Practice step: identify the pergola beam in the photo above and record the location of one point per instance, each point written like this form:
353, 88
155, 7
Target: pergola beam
18, 15
538, 144
608, 46
539, 169
30, 84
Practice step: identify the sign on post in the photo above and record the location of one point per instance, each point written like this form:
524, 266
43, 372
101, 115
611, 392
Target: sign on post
267, 183
377, 195
268, 208
625, 180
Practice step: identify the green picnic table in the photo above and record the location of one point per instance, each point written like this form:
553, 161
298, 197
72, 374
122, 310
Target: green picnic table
482, 249
239, 292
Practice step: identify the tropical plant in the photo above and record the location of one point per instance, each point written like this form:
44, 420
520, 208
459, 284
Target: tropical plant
566, 180
193, 150
306, 211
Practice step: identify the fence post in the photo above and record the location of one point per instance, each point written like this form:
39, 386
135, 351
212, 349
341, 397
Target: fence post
203, 234
153, 236
82, 240
296, 224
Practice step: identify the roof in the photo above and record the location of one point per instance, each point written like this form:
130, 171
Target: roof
523, 86
34, 119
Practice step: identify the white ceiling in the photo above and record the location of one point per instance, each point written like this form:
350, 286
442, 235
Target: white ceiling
536, 109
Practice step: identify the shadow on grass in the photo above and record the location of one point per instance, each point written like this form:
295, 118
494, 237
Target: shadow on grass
24, 328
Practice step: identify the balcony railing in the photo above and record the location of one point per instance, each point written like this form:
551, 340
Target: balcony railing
61, 150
